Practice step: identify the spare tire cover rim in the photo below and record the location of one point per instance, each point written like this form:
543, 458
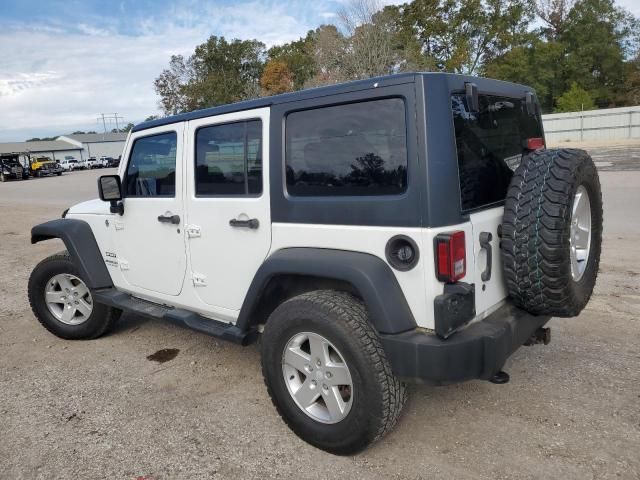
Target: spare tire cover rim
580, 240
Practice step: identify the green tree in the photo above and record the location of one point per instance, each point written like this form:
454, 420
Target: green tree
574, 100
462, 36
298, 57
218, 72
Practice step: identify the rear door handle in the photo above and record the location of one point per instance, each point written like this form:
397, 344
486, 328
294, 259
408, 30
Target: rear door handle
173, 219
485, 243
252, 223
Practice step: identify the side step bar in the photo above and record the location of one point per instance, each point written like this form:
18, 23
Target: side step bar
128, 303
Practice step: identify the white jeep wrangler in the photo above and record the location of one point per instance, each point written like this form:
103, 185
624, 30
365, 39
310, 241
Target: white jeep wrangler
409, 228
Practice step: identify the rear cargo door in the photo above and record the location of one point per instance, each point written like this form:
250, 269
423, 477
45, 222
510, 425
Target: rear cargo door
490, 144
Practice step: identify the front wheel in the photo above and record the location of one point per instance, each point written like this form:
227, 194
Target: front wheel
63, 304
327, 373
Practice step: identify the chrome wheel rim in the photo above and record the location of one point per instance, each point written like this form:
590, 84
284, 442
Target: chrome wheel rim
317, 377
68, 299
580, 240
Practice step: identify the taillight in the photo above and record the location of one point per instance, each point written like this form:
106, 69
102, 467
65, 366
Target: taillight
451, 256
535, 143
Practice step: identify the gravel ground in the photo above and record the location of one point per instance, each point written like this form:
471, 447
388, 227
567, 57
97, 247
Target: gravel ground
101, 409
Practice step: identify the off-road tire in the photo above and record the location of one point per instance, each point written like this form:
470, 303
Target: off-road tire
536, 232
100, 321
378, 396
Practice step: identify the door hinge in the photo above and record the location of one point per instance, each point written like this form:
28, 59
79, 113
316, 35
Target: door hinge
124, 265
199, 280
193, 231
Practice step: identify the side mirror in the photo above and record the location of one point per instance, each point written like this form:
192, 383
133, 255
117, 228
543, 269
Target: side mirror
110, 190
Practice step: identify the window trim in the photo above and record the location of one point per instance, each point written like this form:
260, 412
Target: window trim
246, 160
126, 170
291, 196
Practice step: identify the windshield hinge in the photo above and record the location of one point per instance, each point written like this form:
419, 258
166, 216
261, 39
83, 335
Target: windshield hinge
199, 280
193, 231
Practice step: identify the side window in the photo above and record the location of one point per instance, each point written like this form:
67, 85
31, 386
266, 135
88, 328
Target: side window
152, 166
229, 159
347, 150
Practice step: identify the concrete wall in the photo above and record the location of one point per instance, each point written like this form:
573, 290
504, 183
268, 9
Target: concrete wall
611, 123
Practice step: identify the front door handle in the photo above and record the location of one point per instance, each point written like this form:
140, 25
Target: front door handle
168, 218
252, 223
485, 243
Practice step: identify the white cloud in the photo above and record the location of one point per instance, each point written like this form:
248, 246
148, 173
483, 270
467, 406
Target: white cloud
54, 81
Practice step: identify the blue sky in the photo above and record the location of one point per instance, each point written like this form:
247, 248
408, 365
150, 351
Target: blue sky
62, 63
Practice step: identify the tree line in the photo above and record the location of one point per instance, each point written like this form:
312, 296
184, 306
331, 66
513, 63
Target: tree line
577, 54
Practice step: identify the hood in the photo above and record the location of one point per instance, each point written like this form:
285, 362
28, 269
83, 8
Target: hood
90, 207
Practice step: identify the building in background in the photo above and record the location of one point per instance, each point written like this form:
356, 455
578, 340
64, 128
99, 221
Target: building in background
53, 149
97, 144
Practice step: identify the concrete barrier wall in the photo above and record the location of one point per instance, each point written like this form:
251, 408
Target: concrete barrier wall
611, 123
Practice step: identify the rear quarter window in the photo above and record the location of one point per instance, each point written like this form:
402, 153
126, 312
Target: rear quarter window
490, 144
347, 150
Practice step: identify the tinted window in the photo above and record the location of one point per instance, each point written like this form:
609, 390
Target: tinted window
229, 159
490, 146
152, 166
354, 149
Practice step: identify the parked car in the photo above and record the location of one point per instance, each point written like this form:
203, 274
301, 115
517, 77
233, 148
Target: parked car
81, 165
92, 162
69, 165
10, 168
112, 162
406, 228
41, 166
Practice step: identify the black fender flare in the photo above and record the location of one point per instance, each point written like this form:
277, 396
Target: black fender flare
81, 244
373, 279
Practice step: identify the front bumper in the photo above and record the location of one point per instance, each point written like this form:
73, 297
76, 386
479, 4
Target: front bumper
477, 352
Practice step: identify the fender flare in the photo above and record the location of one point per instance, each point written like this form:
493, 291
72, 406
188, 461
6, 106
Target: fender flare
370, 276
81, 244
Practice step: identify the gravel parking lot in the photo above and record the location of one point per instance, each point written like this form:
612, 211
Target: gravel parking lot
100, 409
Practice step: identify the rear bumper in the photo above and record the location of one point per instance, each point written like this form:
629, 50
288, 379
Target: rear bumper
477, 352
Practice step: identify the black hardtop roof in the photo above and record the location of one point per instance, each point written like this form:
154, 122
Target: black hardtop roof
375, 82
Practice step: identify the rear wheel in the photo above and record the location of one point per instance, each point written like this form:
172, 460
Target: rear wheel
62, 302
327, 373
552, 232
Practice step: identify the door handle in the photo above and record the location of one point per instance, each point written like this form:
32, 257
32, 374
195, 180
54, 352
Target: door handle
485, 243
173, 219
252, 223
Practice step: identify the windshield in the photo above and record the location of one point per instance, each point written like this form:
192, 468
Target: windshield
490, 144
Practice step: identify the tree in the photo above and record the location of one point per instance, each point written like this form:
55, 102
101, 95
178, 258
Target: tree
151, 117
298, 57
599, 36
463, 36
370, 39
328, 48
276, 78
574, 100
171, 86
218, 72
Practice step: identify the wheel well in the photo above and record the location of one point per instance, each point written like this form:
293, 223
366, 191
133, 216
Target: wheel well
281, 288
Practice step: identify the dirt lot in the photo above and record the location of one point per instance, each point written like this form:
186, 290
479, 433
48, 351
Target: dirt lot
100, 409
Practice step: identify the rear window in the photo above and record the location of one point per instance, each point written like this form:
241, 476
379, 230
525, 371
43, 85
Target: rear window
347, 150
490, 145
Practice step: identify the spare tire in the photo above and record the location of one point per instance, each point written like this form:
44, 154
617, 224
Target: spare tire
552, 232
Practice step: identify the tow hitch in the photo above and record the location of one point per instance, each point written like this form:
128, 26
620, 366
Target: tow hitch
541, 335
